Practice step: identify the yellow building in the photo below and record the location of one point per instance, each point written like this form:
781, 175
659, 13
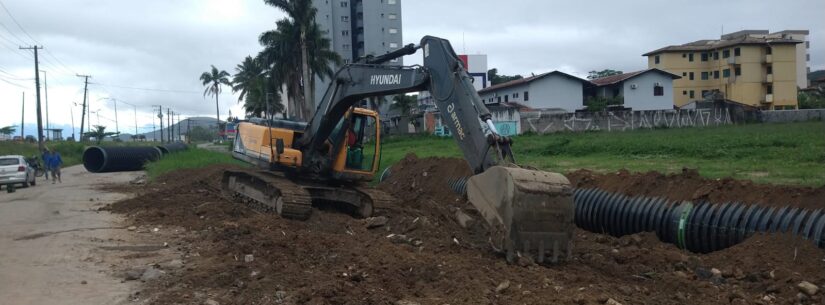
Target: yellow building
760, 71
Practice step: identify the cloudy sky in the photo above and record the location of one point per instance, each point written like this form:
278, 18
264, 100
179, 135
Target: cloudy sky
151, 52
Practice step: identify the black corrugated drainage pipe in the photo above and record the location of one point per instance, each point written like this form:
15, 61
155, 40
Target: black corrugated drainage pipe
698, 227
98, 159
175, 147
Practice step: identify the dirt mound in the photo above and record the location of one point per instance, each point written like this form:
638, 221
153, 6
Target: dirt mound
688, 185
424, 256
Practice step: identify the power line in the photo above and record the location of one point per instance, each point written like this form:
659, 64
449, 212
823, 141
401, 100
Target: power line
49, 53
17, 23
149, 89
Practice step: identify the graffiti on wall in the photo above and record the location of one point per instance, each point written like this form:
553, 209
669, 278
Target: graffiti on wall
625, 120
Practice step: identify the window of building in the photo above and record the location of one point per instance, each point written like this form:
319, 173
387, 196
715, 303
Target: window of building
345, 33
690, 75
705, 75
684, 73
716, 55
690, 57
716, 74
704, 92
390, 1
704, 56
656, 59
770, 89
393, 45
769, 70
393, 31
515, 95
526, 96
726, 73
807, 44
737, 71
344, 18
392, 16
506, 98
737, 52
691, 94
498, 100
725, 53
768, 51
807, 57
684, 55
344, 4
684, 92
346, 46
658, 90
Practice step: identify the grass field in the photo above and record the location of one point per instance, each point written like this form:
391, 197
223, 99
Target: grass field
792, 153
191, 158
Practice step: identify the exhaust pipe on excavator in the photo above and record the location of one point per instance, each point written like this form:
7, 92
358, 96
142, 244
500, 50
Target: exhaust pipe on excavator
531, 212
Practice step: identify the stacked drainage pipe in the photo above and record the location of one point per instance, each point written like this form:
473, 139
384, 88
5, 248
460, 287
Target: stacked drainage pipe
172, 147
98, 159
698, 227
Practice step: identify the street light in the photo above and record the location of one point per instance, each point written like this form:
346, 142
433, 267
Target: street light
117, 127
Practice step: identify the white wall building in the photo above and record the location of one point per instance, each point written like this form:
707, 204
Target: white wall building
551, 90
650, 89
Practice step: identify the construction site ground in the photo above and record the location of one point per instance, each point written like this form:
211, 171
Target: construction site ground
226, 253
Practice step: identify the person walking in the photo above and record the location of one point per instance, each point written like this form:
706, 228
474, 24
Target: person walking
47, 156
54, 166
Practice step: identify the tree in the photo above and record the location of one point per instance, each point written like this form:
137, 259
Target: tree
297, 42
496, 79
258, 91
200, 134
603, 73
213, 80
598, 103
8, 130
99, 133
404, 103
813, 99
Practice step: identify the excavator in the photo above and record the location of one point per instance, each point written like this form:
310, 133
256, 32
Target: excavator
328, 160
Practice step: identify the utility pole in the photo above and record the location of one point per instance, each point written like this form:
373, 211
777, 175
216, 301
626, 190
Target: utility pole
168, 125
179, 138
136, 129
189, 130
23, 119
37, 87
46, 90
117, 127
83, 110
160, 117
72, 113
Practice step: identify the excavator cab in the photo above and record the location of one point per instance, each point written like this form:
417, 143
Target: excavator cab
357, 145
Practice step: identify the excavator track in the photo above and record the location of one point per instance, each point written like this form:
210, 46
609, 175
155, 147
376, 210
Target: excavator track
268, 192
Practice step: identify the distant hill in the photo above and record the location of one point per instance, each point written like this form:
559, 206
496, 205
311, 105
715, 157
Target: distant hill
205, 122
816, 75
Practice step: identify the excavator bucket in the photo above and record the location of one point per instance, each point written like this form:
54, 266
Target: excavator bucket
531, 211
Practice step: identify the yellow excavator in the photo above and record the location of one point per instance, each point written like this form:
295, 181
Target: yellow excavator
328, 159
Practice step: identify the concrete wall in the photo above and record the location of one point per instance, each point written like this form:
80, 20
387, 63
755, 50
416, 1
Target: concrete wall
623, 120
642, 97
784, 116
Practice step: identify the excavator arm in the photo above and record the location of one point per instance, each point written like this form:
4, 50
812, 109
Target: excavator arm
531, 211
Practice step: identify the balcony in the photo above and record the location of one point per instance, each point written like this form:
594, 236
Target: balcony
768, 59
768, 99
768, 79
734, 60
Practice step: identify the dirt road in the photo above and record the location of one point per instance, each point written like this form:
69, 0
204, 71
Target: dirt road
53, 239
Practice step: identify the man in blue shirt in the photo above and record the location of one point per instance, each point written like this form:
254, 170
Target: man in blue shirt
47, 156
54, 166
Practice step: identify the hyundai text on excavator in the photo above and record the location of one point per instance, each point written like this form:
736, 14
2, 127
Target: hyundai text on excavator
329, 159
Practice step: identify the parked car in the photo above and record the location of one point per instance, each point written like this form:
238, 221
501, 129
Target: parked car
14, 170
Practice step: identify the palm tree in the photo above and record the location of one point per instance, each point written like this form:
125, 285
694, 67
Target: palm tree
8, 130
297, 41
258, 91
404, 103
99, 133
213, 80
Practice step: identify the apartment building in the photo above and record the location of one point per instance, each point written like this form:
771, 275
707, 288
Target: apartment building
749, 67
357, 28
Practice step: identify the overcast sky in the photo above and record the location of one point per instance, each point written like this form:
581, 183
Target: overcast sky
165, 45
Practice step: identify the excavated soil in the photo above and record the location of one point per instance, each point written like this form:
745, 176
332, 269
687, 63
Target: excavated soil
234, 255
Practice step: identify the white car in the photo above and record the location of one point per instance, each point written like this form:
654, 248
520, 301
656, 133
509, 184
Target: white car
15, 170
